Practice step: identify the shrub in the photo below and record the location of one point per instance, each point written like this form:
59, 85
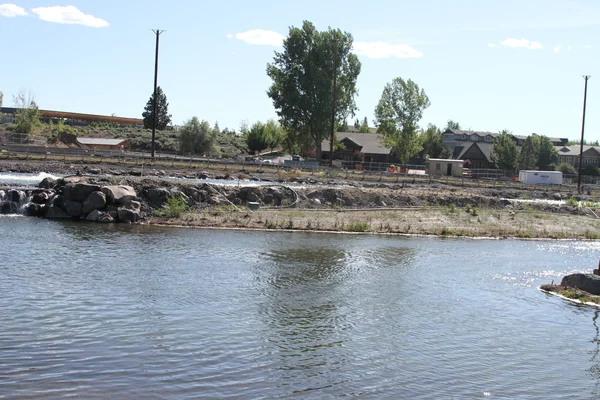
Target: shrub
573, 202
357, 226
174, 208
566, 169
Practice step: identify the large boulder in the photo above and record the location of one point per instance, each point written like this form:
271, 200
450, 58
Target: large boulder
40, 198
119, 194
79, 191
54, 212
94, 216
47, 183
73, 208
95, 201
35, 210
106, 217
587, 282
158, 197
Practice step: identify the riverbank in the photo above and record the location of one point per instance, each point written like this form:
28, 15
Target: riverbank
426, 207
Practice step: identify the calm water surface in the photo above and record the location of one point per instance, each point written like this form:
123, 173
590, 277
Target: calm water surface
114, 311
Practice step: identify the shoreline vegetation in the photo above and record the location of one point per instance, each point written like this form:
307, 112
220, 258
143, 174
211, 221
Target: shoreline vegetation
571, 294
345, 203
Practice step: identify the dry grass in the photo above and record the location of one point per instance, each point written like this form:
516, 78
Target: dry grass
423, 221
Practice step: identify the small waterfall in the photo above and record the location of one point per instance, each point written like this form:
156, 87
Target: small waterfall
13, 201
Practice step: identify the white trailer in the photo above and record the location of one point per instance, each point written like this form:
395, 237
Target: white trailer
540, 177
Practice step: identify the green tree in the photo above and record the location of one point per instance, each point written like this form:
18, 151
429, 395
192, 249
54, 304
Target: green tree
342, 127
163, 118
27, 116
303, 75
453, 125
548, 155
566, 169
197, 137
357, 123
398, 114
364, 127
275, 134
528, 158
257, 138
505, 153
432, 140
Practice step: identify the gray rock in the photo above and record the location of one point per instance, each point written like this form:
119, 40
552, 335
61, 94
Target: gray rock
127, 215
132, 205
106, 218
94, 216
79, 191
379, 201
268, 198
73, 208
119, 194
557, 196
237, 202
316, 201
40, 198
47, 183
54, 212
35, 210
158, 197
95, 201
586, 282
252, 197
504, 203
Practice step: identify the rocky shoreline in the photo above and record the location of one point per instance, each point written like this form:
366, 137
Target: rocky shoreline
342, 205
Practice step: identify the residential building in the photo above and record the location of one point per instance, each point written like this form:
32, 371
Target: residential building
103, 144
455, 137
475, 154
570, 155
369, 144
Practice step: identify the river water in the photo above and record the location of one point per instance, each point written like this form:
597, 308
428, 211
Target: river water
119, 311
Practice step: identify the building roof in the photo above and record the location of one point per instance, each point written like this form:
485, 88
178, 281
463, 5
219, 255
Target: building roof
469, 133
100, 142
486, 149
80, 116
574, 150
371, 143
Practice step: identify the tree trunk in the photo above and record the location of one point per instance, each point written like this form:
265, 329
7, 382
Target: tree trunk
318, 152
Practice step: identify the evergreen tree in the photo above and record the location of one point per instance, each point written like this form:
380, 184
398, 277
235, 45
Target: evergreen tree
163, 118
505, 153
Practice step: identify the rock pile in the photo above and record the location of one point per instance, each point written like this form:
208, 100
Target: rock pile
74, 198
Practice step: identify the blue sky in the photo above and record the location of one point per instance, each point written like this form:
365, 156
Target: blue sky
489, 65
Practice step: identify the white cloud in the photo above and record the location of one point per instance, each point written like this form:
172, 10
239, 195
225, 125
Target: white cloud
492, 45
68, 15
229, 36
528, 44
385, 50
587, 46
12, 10
569, 47
261, 37
557, 48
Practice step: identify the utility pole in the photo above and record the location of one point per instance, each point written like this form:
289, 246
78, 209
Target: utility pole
157, 32
335, 71
586, 77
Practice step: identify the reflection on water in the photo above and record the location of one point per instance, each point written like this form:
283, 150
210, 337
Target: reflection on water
97, 311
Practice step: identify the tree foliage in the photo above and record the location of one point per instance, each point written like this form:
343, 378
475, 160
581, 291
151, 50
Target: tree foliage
364, 127
263, 136
566, 169
302, 83
548, 155
453, 125
528, 158
27, 116
505, 154
163, 118
398, 114
197, 137
432, 140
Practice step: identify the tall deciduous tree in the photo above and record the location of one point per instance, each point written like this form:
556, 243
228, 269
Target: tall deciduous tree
197, 137
27, 116
303, 75
528, 158
452, 125
548, 155
364, 128
505, 154
432, 140
398, 114
163, 118
256, 137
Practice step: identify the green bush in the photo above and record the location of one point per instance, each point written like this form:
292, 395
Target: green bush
175, 208
566, 169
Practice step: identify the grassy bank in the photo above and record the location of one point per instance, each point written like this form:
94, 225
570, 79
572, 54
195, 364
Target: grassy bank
572, 294
447, 222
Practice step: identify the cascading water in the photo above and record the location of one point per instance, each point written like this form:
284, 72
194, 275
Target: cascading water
13, 201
